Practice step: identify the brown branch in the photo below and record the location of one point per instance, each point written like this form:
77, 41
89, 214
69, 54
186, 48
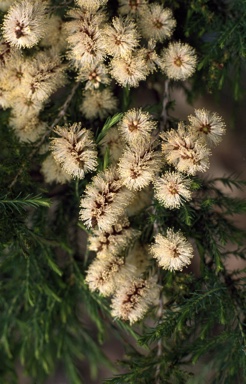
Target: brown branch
165, 100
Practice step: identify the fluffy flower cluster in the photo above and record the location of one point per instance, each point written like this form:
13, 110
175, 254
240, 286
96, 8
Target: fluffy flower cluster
173, 251
75, 150
123, 49
138, 162
132, 299
28, 81
25, 23
185, 151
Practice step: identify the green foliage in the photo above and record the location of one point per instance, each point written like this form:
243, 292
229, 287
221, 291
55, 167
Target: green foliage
49, 317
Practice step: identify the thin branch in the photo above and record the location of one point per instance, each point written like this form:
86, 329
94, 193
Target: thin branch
61, 114
165, 100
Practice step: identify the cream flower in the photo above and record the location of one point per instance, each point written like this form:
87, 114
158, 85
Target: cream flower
104, 201
183, 150
121, 38
75, 150
136, 125
172, 189
173, 251
128, 71
53, 172
25, 23
179, 61
5, 4
27, 127
208, 125
139, 257
91, 5
133, 299
55, 35
114, 241
132, 6
106, 274
13, 73
94, 75
156, 22
23, 105
150, 56
85, 38
44, 75
98, 104
139, 165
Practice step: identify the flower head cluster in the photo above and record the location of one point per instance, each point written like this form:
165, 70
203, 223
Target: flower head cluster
132, 299
113, 241
53, 172
94, 76
121, 38
104, 200
208, 125
55, 34
173, 251
139, 164
24, 25
172, 189
150, 57
105, 274
105, 51
91, 5
75, 150
183, 150
156, 22
98, 103
27, 129
5, 4
85, 37
26, 84
128, 71
133, 7
136, 125
179, 61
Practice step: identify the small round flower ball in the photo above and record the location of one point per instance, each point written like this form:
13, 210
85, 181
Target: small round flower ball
136, 125
128, 71
5, 4
98, 103
173, 252
172, 189
132, 7
91, 5
104, 274
138, 165
179, 61
121, 38
208, 125
133, 298
53, 172
25, 23
75, 150
156, 22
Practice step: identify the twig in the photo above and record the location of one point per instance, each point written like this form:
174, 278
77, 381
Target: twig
61, 114
165, 101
